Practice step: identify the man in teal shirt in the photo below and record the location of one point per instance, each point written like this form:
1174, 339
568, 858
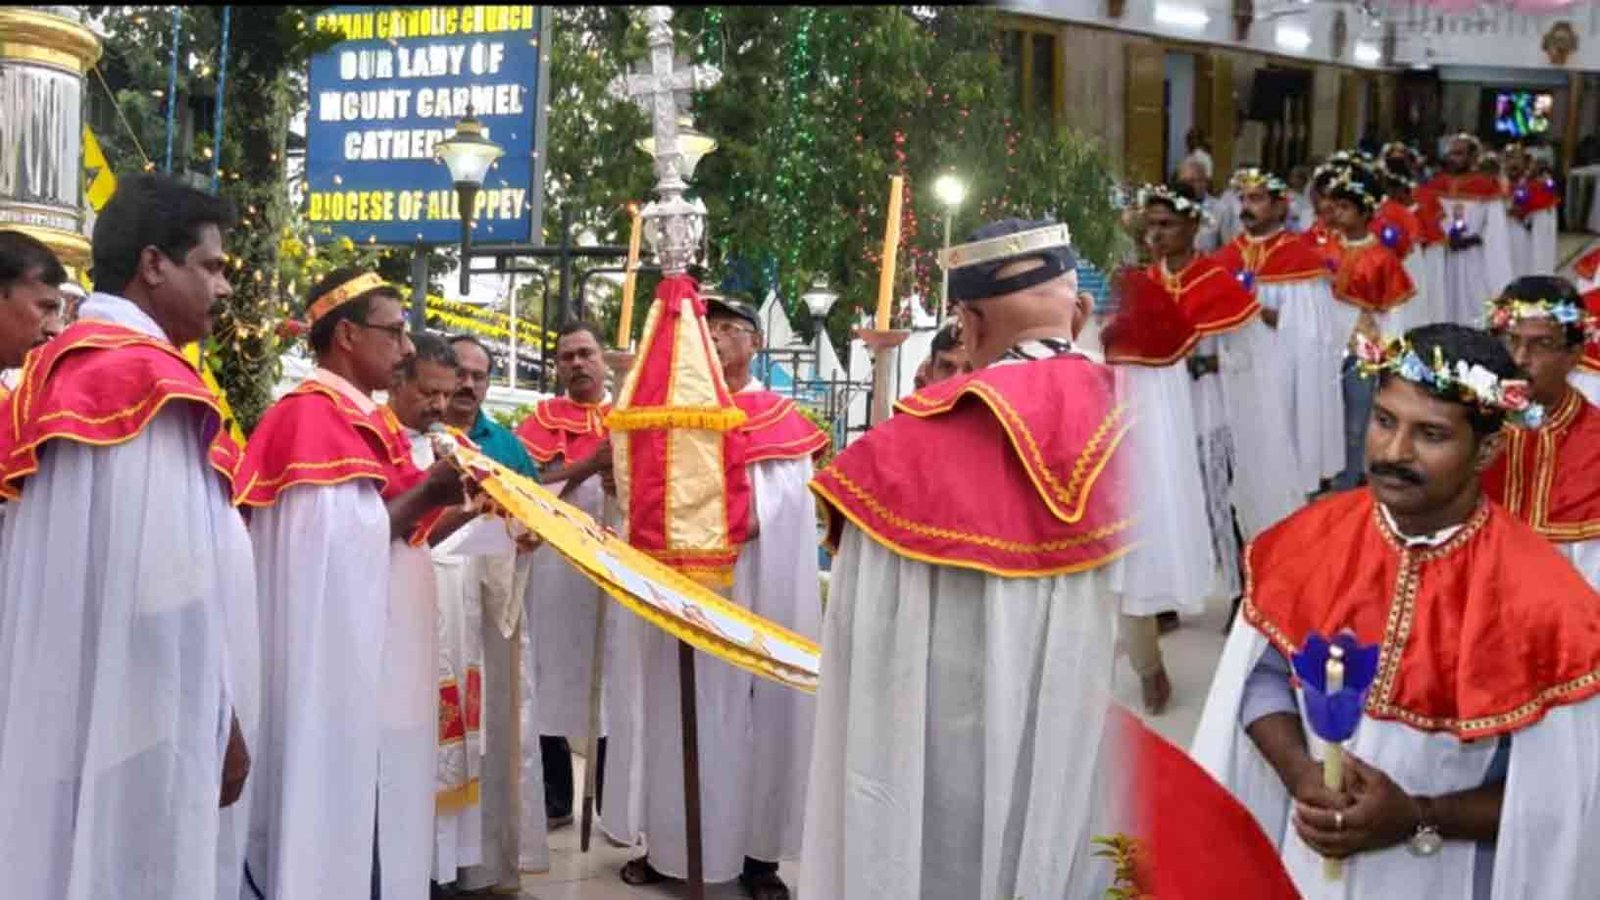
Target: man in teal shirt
466, 409
502, 637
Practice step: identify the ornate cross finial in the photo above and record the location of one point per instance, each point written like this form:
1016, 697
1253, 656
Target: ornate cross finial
673, 225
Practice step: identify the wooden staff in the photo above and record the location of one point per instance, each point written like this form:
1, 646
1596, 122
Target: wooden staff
691, 769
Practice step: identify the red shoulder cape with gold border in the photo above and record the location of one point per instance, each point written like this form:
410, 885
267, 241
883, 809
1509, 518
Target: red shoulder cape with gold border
1148, 328
1013, 470
1480, 635
776, 430
1372, 277
1281, 257
1211, 298
1429, 213
1549, 477
1472, 187
562, 427
316, 435
1541, 196
101, 383
1587, 265
1408, 230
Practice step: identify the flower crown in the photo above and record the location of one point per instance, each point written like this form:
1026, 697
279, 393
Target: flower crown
1252, 177
1470, 139
1183, 206
1501, 313
1348, 180
1464, 382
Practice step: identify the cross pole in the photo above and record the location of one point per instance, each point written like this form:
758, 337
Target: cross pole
674, 227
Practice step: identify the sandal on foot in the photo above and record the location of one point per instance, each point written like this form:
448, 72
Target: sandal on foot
639, 872
1157, 690
765, 886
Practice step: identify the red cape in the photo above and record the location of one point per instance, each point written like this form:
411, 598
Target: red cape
1148, 328
1278, 258
1470, 187
1550, 477
562, 427
1407, 230
1011, 470
316, 435
1540, 196
1372, 277
775, 429
100, 383
1587, 265
1429, 213
1210, 297
1480, 635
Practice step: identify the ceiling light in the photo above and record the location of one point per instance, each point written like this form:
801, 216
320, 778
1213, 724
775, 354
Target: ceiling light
1292, 38
1181, 16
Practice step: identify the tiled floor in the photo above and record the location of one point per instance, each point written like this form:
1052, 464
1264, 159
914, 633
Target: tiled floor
1191, 653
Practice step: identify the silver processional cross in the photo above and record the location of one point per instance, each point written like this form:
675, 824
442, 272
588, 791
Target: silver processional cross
673, 225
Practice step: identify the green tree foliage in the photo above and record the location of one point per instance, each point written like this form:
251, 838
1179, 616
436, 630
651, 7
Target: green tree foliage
817, 108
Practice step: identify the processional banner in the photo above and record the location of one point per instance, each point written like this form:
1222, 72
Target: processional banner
655, 592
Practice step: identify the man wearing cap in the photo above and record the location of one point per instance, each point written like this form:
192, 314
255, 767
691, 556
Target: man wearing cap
973, 607
344, 804
755, 756
1477, 261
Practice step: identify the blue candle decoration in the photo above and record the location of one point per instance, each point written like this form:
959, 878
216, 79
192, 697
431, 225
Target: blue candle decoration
1458, 228
1390, 236
1334, 715
1247, 279
1520, 196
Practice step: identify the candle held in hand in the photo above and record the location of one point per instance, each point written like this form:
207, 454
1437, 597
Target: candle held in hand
891, 252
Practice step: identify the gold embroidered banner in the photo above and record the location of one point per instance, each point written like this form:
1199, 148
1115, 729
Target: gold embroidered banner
658, 594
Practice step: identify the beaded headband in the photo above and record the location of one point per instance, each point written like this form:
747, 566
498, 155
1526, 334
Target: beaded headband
1349, 181
1461, 381
1183, 206
1501, 313
344, 293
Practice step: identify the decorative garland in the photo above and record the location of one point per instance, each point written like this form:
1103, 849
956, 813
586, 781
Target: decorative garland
1468, 383
1251, 177
1502, 313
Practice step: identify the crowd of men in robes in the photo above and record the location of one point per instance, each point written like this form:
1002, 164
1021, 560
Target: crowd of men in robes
318, 665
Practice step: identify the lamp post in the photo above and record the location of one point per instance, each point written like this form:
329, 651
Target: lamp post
693, 146
950, 190
468, 154
819, 300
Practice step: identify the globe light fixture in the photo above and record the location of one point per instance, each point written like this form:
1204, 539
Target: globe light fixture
468, 154
950, 190
819, 300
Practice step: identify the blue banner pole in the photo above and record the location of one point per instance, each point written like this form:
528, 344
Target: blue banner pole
172, 82
222, 84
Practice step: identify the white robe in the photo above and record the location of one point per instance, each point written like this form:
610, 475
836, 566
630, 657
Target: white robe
1266, 480
1310, 350
127, 638
1170, 569
1533, 244
754, 736
323, 567
1475, 275
1585, 557
560, 606
1547, 822
1431, 304
959, 728
1587, 383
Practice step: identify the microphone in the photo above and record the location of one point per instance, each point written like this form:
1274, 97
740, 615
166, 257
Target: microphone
444, 443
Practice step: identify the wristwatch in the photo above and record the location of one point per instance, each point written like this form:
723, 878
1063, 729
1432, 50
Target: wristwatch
1426, 841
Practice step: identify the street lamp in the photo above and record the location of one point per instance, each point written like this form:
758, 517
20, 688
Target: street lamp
951, 191
693, 146
819, 300
468, 154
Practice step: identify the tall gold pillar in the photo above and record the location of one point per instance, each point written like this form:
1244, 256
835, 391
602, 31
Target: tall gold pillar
45, 52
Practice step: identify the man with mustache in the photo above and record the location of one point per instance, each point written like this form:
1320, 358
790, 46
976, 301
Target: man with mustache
567, 435
340, 515
31, 302
499, 580
1288, 278
129, 676
1475, 768
1549, 475
1478, 260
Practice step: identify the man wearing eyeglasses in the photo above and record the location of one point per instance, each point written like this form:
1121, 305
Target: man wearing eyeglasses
339, 518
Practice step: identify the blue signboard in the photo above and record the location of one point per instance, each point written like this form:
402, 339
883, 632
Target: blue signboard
395, 86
